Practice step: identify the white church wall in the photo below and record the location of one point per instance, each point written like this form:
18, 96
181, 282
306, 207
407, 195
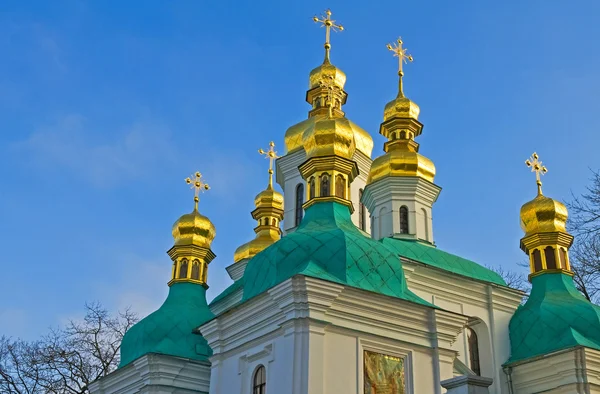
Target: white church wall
489, 307
311, 336
571, 371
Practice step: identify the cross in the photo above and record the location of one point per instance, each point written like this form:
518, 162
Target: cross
271, 155
403, 58
329, 25
538, 168
198, 185
329, 84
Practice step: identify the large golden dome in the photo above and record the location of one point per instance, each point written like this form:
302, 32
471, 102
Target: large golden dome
294, 136
543, 215
194, 229
401, 159
329, 137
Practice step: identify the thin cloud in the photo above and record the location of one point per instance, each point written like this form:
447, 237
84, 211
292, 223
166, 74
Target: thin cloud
70, 145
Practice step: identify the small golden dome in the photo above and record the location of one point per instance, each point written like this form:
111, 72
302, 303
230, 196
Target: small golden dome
257, 245
401, 107
194, 229
269, 198
324, 72
543, 215
401, 161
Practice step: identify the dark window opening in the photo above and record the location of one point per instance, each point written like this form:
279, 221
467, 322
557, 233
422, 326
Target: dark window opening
550, 258
473, 351
537, 260
299, 202
260, 381
403, 220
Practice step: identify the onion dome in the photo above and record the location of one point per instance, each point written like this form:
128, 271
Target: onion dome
401, 107
401, 159
294, 135
556, 315
543, 215
194, 229
401, 126
268, 213
171, 330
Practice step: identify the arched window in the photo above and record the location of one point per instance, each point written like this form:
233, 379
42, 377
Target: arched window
361, 212
550, 258
473, 351
403, 220
183, 267
196, 270
312, 187
325, 185
273, 222
299, 201
204, 271
393, 135
340, 186
403, 135
259, 382
537, 260
174, 269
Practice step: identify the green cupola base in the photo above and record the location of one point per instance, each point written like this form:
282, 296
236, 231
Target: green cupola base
555, 317
327, 245
170, 329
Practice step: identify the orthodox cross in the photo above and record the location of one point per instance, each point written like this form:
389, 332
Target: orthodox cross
198, 185
329, 25
329, 84
538, 168
403, 58
271, 155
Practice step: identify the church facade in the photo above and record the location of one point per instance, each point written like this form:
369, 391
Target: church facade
343, 289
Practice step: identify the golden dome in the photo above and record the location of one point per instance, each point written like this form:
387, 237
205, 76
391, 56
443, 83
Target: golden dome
329, 137
194, 229
257, 245
269, 198
401, 160
326, 71
543, 215
294, 135
401, 107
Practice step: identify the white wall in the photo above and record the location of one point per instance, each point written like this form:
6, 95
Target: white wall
311, 335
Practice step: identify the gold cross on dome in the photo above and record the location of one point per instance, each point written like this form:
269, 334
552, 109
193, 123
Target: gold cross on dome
329, 25
198, 185
536, 166
329, 84
271, 155
403, 58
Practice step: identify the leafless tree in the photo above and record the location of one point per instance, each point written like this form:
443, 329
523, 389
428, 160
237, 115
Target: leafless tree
67, 359
584, 223
516, 280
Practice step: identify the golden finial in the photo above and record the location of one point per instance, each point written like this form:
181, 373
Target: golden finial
271, 155
403, 57
329, 25
329, 84
538, 168
198, 185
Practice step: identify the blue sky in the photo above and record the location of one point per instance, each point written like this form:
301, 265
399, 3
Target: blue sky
106, 106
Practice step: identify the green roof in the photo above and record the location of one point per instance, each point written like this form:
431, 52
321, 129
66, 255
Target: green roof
328, 246
430, 255
169, 330
556, 316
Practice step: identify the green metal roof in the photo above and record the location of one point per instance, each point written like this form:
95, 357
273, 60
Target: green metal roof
556, 316
434, 257
328, 246
169, 330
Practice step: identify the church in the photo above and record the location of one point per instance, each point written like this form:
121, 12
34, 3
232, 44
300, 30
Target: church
343, 289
